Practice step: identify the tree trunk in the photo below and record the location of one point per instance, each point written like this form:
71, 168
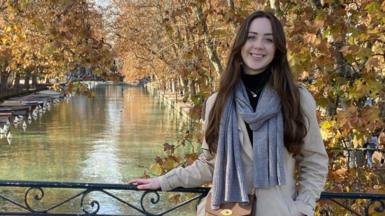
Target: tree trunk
274, 4
161, 86
192, 89
34, 80
27, 79
211, 50
173, 86
16, 85
4, 80
198, 87
184, 85
231, 5
169, 85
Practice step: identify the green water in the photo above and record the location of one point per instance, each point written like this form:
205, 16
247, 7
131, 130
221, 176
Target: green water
110, 138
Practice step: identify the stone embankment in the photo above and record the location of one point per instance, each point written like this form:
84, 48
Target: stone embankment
23, 109
172, 100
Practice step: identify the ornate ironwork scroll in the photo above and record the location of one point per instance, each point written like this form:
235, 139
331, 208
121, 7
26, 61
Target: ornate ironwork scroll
35, 194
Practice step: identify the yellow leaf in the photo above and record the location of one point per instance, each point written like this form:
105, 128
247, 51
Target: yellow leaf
156, 169
8, 29
169, 164
327, 124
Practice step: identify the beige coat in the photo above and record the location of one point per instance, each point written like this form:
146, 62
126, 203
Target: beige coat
276, 201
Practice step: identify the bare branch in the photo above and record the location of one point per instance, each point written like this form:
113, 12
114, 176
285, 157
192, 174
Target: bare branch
3, 5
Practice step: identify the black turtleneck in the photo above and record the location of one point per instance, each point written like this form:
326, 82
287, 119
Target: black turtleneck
255, 84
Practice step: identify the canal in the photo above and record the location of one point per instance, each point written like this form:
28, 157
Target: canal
109, 138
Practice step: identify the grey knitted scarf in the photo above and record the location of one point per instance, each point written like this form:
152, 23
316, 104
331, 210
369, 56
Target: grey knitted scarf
266, 124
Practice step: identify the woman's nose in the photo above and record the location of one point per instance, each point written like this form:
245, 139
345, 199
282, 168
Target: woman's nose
258, 44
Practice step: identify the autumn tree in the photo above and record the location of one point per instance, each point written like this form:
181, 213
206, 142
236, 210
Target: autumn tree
46, 39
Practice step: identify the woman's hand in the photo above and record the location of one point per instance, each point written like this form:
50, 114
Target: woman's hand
150, 183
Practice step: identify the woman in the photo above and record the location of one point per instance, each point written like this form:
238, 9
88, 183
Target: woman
257, 127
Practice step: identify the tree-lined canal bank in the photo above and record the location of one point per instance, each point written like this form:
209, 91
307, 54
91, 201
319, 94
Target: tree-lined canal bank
109, 138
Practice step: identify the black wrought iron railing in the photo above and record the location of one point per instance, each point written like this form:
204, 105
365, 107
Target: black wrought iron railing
68, 198
357, 204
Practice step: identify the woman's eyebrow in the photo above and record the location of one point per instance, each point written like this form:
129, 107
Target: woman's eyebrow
256, 33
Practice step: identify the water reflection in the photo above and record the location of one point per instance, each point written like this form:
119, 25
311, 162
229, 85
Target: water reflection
109, 138
102, 162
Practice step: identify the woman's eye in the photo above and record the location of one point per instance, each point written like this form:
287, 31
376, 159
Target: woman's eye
251, 37
269, 39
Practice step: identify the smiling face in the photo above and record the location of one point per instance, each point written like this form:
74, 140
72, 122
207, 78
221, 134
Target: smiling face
259, 49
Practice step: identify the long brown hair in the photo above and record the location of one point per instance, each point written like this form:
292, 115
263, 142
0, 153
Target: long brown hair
281, 80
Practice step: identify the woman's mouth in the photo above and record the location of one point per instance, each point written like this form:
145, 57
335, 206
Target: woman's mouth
257, 56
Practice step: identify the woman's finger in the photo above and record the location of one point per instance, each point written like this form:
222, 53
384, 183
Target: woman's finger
145, 183
133, 181
149, 185
138, 181
145, 186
